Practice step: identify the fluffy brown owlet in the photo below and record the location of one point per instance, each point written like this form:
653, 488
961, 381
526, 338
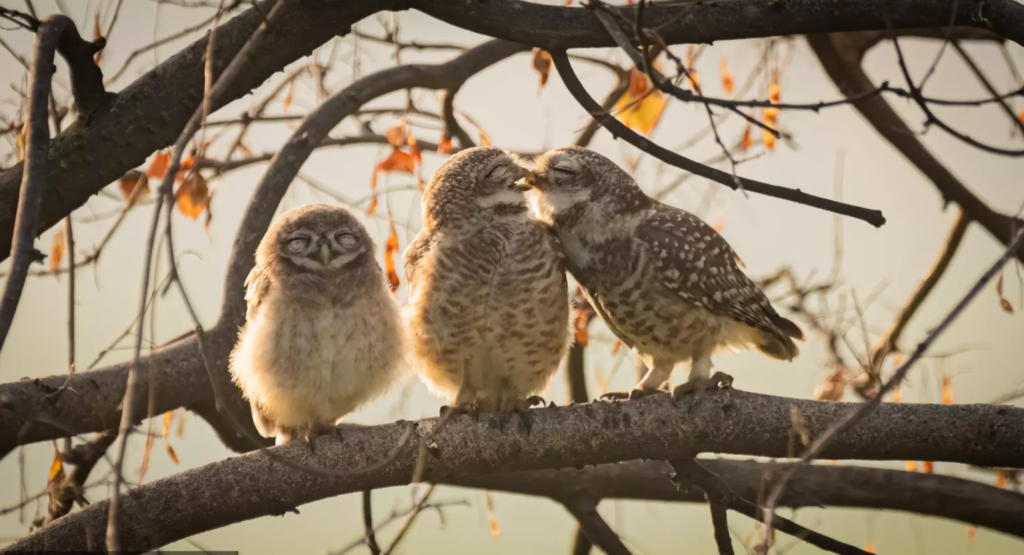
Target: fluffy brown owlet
665, 283
488, 311
322, 334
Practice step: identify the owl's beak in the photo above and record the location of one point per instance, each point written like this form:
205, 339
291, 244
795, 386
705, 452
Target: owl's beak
325, 254
529, 181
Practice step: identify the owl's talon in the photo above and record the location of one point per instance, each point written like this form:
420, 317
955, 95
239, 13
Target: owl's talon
719, 380
525, 416
534, 401
614, 396
641, 393
470, 410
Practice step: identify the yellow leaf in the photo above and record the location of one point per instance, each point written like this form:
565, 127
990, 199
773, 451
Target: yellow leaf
897, 394
540, 60
372, 208
728, 85
57, 249
57, 466
694, 80
911, 466
492, 517
947, 390
870, 547
168, 417
641, 114
390, 249
193, 196
289, 97
397, 135
580, 325
484, 139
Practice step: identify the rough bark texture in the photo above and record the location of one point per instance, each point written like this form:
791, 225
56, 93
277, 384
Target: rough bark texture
253, 485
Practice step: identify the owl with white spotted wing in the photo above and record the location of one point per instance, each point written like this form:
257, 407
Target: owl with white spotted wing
666, 284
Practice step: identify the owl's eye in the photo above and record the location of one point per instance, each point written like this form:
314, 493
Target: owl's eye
297, 244
564, 170
493, 173
345, 239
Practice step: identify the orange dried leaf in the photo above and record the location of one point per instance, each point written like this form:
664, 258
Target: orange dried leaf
1005, 304
158, 165
445, 145
929, 467
774, 93
1002, 477
870, 547
168, 417
193, 196
641, 113
728, 85
719, 225
540, 60
399, 161
694, 80
397, 135
372, 208
57, 249
415, 152
637, 83
580, 326
897, 394
947, 390
691, 55
390, 249
616, 346
492, 517
289, 97
972, 532
748, 138
57, 466
484, 139
911, 466
1021, 116
833, 388
833, 462
180, 432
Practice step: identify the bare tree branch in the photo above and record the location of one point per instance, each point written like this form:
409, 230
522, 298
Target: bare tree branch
584, 509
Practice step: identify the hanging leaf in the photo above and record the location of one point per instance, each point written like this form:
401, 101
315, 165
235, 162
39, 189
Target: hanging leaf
183, 171
180, 432
540, 60
390, 249
1007, 307
910, 466
193, 196
870, 547
399, 161
372, 208
289, 97
637, 83
57, 466
492, 517
168, 417
397, 135
719, 225
57, 249
897, 394
947, 390
972, 532
1002, 477
767, 138
616, 346
833, 388
694, 80
747, 140
158, 165
129, 182
414, 151
484, 139
444, 146
580, 325
641, 113
929, 467
728, 85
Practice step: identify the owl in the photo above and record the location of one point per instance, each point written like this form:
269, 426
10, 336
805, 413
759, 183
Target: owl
322, 334
665, 283
488, 312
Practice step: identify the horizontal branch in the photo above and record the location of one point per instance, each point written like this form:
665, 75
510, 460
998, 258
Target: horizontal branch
151, 112
726, 421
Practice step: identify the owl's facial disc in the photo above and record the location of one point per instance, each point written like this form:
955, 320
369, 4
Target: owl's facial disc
560, 181
502, 184
315, 251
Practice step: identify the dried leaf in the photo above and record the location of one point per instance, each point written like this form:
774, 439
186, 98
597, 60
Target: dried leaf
97, 32
444, 146
719, 225
638, 84
372, 208
728, 85
641, 113
929, 467
897, 394
947, 390
1003, 302
180, 432
484, 139
492, 517
399, 161
397, 134
748, 138
289, 97
870, 547
616, 346
767, 138
1002, 477
972, 532
414, 150
193, 196
158, 165
580, 325
833, 462
1021, 116
694, 80
390, 249
129, 182
57, 249
168, 417
833, 388
910, 466
57, 466
144, 466
540, 60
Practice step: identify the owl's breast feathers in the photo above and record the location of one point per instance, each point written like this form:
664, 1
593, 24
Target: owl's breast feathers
692, 262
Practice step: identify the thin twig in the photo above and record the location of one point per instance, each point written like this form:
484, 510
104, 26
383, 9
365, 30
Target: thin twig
370, 536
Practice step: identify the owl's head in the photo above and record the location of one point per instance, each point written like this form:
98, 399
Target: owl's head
480, 179
575, 179
318, 238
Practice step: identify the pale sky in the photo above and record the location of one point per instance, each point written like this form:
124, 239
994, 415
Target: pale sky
505, 100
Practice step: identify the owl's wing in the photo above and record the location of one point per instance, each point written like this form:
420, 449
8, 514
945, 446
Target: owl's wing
414, 255
257, 285
693, 261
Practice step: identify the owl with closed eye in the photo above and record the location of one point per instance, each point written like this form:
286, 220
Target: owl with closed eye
488, 310
322, 334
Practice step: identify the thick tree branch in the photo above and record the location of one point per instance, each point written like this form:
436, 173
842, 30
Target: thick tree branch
619, 130
194, 501
584, 509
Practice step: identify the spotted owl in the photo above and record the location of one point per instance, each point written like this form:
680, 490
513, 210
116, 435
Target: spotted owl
665, 283
322, 334
488, 310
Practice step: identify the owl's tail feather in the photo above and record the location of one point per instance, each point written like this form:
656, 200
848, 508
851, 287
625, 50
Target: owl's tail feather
788, 327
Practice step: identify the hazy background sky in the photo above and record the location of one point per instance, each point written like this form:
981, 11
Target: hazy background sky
885, 264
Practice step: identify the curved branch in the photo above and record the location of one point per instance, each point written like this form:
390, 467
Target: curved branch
451, 125
584, 509
618, 129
